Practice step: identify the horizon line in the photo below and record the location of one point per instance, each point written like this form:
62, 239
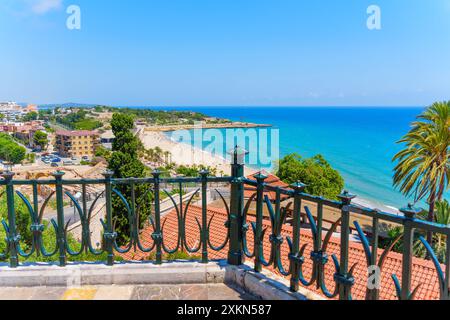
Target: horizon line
224, 106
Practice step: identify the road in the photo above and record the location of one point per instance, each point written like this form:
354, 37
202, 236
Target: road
69, 212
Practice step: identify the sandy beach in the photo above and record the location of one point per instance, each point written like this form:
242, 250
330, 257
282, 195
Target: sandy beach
184, 154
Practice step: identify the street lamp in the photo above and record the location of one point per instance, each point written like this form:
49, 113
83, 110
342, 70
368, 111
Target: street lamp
8, 166
77, 197
238, 155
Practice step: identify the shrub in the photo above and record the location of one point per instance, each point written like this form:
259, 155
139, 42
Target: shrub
321, 179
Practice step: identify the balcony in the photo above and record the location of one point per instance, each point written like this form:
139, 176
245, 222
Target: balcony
290, 254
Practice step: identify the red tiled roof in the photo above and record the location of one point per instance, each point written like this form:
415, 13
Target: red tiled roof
28, 128
271, 180
423, 271
80, 133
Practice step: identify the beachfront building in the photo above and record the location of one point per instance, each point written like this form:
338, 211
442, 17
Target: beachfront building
11, 111
30, 108
77, 143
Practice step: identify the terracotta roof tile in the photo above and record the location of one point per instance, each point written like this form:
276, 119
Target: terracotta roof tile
79, 133
271, 180
423, 271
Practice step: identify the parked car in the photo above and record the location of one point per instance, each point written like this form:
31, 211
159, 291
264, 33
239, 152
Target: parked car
54, 165
67, 163
86, 158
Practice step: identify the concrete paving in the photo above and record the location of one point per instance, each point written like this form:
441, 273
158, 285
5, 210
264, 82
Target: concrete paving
143, 292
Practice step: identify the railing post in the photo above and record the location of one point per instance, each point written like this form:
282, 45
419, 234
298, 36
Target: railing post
235, 253
375, 293
408, 242
343, 279
180, 222
12, 236
60, 217
447, 269
296, 224
321, 258
258, 243
157, 234
204, 237
109, 234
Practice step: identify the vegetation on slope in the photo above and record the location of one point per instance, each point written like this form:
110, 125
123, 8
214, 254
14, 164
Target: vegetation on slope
10, 151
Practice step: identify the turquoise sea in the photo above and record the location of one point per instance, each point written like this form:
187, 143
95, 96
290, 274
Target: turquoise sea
359, 142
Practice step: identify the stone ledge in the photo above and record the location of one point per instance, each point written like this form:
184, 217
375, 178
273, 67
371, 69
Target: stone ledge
49, 275
265, 285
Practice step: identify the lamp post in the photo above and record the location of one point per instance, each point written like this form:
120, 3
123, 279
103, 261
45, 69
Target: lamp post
77, 197
8, 166
236, 254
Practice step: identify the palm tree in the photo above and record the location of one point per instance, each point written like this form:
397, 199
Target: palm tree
150, 154
167, 157
443, 212
157, 153
423, 166
441, 216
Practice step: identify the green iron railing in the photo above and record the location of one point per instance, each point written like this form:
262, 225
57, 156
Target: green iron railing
236, 242
343, 276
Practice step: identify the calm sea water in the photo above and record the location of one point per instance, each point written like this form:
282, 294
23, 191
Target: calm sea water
359, 142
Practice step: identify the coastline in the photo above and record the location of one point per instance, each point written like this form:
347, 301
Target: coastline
231, 125
186, 154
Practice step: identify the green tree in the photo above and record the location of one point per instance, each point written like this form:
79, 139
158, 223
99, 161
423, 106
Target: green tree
124, 162
31, 157
44, 114
30, 116
321, 179
23, 219
102, 152
79, 121
40, 139
194, 170
439, 241
10, 151
443, 212
441, 216
17, 154
422, 169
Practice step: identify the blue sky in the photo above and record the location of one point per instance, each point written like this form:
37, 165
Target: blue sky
225, 52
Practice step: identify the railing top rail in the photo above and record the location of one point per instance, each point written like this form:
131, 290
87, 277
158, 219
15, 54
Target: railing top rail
291, 192
372, 213
415, 222
385, 216
116, 181
235, 222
